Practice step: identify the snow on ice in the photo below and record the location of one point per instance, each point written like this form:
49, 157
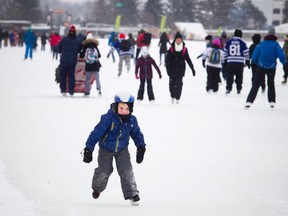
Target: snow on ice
207, 156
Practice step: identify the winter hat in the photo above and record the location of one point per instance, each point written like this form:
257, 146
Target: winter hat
72, 29
223, 34
272, 31
256, 38
122, 36
238, 33
178, 35
89, 36
216, 41
208, 37
144, 51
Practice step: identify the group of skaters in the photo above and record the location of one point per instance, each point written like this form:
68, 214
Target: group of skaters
222, 54
234, 55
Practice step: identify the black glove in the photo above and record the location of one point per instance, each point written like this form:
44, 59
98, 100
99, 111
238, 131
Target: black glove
87, 156
248, 64
193, 72
203, 63
140, 154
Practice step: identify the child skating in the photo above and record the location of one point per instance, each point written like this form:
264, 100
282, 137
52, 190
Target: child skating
144, 63
113, 133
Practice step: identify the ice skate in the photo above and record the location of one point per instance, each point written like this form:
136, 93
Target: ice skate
134, 200
248, 105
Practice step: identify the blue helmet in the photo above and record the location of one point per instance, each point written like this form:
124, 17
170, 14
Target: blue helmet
124, 97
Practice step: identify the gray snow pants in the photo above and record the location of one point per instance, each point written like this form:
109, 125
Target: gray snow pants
124, 168
127, 59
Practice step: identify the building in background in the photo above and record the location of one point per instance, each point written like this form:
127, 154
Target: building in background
272, 10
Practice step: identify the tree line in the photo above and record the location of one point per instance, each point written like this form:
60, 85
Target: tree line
212, 14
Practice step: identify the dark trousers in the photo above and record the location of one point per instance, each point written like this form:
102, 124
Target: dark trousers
142, 89
67, 70
237, 71
124, 168
213, 74
259, 79
254, 69
175, 86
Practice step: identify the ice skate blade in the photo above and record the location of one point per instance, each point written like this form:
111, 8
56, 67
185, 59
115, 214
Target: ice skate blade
134, 203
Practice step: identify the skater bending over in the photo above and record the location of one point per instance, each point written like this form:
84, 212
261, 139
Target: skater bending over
113, 133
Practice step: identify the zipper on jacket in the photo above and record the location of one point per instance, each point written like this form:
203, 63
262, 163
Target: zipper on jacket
106, 134
117, 141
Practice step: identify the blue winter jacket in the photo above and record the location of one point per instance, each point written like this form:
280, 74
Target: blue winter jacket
267, 52
29, 37
113, 135
69, 47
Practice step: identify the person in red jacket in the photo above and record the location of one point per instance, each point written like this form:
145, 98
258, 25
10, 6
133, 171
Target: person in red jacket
144, 63
55, 38
140, 42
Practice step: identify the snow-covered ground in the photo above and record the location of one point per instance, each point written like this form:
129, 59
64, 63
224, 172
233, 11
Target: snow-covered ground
207, 156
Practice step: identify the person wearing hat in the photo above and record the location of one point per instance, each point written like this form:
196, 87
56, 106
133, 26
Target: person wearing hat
144, 64
285, 48
92, 64
112, 134
212, 60
177, 55
236, 54
265, 57
69, 47
125, 51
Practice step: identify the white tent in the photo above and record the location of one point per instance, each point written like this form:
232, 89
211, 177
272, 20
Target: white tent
192, 30
283, 28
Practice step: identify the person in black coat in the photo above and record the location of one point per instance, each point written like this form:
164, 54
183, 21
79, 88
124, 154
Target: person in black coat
256, 38
69, 47
163, 46
175, 66
44, 39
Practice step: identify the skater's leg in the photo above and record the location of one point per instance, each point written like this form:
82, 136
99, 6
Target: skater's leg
150, 90
127, 62
121, 58
103, 171
97, 80
255, 87
271, 85
63, 76
141, 89
71, 78
87, 82
125, 171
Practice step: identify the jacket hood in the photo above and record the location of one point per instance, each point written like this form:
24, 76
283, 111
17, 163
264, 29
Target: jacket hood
270, 37
90, 40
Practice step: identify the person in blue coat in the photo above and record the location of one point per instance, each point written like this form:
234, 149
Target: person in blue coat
113, 133
29, 40
265, 56
69, 47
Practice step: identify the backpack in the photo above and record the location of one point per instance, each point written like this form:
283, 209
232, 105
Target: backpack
125, 45
215, 56
147, 38
91, 55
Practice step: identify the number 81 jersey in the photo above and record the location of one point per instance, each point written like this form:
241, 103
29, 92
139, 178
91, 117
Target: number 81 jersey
236, 51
